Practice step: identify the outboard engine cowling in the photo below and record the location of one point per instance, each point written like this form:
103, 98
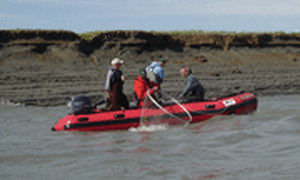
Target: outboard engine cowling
81, 105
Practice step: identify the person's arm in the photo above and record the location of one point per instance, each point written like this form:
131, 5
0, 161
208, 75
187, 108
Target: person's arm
138, 88
154, 87
107, 94
159, 71
107, 86
162, 74
188, 87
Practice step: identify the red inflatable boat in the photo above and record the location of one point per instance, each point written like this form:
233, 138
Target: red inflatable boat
124, 119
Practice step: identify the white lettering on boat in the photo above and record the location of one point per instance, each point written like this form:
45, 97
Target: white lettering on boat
229, 102
68, 124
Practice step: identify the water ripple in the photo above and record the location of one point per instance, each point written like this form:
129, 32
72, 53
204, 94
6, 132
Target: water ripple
263, 145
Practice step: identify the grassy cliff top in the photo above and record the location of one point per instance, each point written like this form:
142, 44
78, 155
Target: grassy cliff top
69, 35
90, 35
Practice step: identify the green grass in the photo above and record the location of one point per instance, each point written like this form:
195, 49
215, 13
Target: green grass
90, 35
242, 33
186, 32
201, 32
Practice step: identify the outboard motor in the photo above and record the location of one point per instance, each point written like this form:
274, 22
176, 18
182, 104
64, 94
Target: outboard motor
81, 105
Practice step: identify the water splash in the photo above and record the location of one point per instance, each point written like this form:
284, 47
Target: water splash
150, 128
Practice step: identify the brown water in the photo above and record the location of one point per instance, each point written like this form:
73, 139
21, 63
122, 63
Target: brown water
263, 145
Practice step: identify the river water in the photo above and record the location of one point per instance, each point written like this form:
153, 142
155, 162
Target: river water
263, 145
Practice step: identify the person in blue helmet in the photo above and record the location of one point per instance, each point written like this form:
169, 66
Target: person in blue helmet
155, 71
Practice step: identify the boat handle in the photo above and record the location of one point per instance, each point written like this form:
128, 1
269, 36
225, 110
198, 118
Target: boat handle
83, 119
210, 106
117, 116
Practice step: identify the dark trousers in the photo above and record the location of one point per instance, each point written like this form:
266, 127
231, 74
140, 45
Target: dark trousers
191, 98
118, 98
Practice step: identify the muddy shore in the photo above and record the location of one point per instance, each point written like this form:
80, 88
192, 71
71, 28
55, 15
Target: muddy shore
45, 68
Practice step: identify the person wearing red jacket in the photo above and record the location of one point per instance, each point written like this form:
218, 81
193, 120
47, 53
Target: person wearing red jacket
141, 85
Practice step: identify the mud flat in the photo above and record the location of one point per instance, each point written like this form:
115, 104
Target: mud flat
45, 68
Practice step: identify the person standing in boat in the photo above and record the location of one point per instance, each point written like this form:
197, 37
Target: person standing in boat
193, 90
155, 71
115, 97
142, 85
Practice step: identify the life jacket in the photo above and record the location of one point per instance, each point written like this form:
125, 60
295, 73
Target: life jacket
112, 76
116, 76
141, 86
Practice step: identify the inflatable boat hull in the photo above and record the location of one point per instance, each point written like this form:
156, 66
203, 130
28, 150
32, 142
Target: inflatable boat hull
124, 119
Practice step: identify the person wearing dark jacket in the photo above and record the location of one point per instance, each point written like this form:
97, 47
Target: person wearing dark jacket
115, 97
193, 90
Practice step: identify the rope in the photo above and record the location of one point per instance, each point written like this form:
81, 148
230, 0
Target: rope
170, 114
182, 107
